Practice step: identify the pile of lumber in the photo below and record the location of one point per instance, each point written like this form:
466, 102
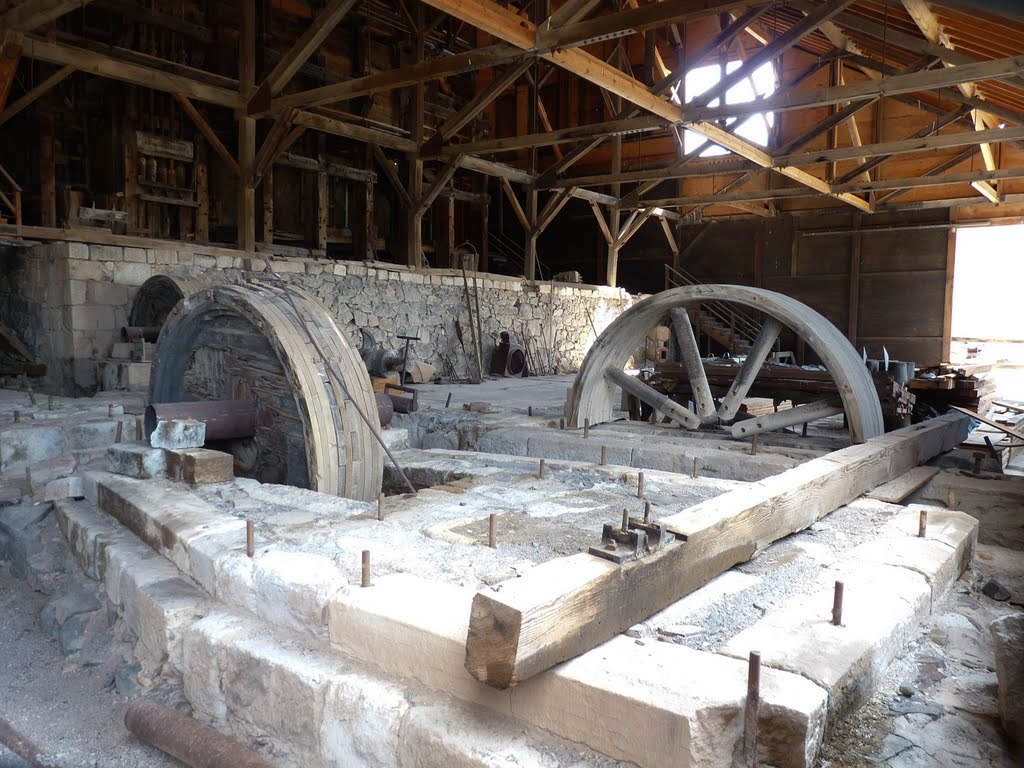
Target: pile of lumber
968, 386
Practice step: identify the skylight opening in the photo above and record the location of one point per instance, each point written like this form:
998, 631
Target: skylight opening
755, 128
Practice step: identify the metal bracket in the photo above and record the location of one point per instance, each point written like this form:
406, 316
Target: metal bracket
637, 538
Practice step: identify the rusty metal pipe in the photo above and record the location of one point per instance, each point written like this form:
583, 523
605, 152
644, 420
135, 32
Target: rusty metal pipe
140, 333
22, 746
225, 419
186, 739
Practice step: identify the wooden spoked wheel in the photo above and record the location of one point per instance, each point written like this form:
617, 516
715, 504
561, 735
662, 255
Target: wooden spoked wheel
602, 369
256, 342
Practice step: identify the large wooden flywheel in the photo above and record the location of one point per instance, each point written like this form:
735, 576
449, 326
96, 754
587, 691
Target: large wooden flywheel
263, 342
602, 370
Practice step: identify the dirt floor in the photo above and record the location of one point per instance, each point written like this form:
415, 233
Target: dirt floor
71, 710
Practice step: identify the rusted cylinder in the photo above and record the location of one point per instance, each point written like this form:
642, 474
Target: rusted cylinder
22, 746
224, 419
140, 332
385, 408
186, 739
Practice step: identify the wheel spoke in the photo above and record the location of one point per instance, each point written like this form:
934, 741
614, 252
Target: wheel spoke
702, 399
801, 414
756, 356
654, 398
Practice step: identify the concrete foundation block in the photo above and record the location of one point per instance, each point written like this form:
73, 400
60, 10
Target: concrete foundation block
122, 350
88, 532
364, 722
200, 466
1008, 648
137, 460
571, 446
63, 488
160, 616
171, 521
287, 589
882, 606
690, 704
511, 442
178, 433
29, 444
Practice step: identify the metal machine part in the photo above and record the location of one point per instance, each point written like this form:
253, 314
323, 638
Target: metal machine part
224, 419
592, 394
378, 361
509, 357
252, 343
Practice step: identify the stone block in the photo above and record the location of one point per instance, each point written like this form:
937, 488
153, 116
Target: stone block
287, 589
110, 294
85, 270
131, 273
29, 444
106, 253
90, 435
63, 488
364, 721
137, 460
1008, 648
163, 612
91, 317
77, 250
78, 290
200, 466
178, 433
137, 255
882, 606
122, 350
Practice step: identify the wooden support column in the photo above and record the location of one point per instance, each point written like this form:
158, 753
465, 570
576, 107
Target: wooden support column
444, 230
615, 215
202, 178
268, 205
530, 257
323, 200
47, 164
947, 304
854, 304
361, 222
414, 185
247, 129
480, 183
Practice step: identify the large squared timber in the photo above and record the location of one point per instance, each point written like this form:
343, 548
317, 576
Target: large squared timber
565, 607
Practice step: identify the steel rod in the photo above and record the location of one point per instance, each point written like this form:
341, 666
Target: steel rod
250, 538
224, 419
365, 580
492, 531
752, 710
837, 605
190, 741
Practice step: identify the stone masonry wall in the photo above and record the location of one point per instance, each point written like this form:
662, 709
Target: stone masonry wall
75, 298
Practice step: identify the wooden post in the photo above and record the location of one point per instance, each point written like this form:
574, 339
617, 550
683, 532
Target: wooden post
202, 182
414, 225
246, 217
322, 211
947, 304
854, 304
268, 205
47, 163
362, 222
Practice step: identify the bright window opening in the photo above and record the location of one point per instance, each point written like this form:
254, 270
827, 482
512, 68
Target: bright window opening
755, 128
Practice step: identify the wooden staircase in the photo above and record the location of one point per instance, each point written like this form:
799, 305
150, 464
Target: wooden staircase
733, 327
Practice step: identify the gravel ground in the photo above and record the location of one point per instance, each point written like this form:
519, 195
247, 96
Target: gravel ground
72, 713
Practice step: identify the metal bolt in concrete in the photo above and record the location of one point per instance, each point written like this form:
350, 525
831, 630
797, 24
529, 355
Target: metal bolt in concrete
492, 531
640, 485
540, 469
448, 401
647, 511
922, 524
586, 428
837, 605
750, 712
604, 455
366, 568
250, 538
625, 520
951, 498
753, 446
380, 507
696, 466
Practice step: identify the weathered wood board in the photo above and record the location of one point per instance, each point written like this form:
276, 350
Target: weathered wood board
565, 607
895, 491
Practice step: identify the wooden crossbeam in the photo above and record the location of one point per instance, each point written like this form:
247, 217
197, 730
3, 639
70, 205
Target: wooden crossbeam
936, 170
554, 205
99, 64
440, 182
642, 124
353, 131
310, 39
391, 174
32, 96
271, 147
567, 606
517, 207
30, 14
208, 132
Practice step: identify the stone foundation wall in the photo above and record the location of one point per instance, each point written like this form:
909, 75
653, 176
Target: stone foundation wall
73, 298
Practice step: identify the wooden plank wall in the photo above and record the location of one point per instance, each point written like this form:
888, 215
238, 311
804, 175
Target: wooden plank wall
881, 286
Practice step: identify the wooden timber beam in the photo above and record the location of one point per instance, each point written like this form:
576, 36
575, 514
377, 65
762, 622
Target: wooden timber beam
505, 24
602, 224
439, 184
474, 106
98, 64
773, 50
208, 132
570, 12
388, 80
554, 205
931, 179
941, 168
310, 39
30, 14
565, 607
271, 147
663, 173
32, 96
352, 131
642, 124
391, 173
517, 207
886, 86
627, 22
943, 141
